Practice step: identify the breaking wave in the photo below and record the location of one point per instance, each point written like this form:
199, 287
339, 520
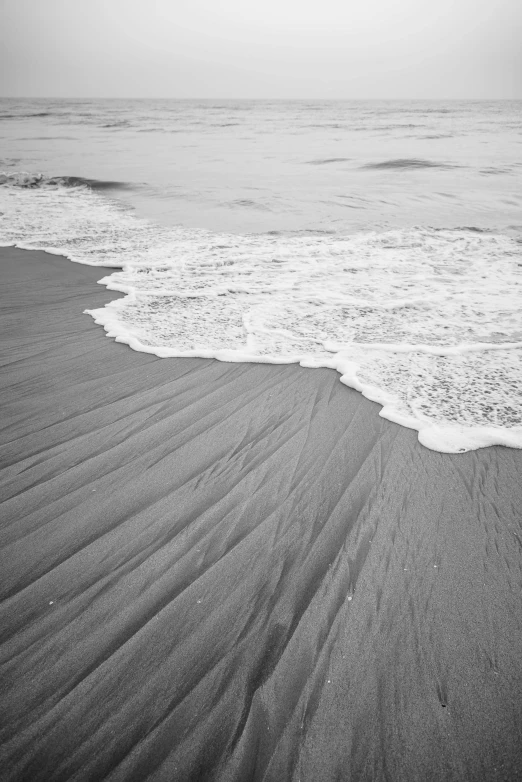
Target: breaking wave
32, 181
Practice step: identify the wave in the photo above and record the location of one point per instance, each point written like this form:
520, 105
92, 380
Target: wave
32, 181
330, 125
303, 232
472, 228
95, 184
437, 136
398, 126
47, 138
407, 163
26, 116
492, 170
247, 203
123, 123
159, 130
425, 322
328, 161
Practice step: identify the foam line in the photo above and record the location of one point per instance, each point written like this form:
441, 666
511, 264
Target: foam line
425, 321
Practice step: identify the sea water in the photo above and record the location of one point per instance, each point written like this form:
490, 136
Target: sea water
381, 239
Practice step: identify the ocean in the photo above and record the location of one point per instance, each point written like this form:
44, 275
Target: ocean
380, 239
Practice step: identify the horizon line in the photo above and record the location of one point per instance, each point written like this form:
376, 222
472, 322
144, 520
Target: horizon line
239, 98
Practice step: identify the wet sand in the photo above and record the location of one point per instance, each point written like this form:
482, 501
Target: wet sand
217, 571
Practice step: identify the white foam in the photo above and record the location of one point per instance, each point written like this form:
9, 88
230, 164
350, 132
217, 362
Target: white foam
426, 322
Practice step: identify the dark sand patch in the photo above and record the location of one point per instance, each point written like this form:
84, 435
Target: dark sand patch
218, 571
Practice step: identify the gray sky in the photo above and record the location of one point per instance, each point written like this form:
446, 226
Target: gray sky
261, 48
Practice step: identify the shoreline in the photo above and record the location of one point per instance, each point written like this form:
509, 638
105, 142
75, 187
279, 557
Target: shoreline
239, 571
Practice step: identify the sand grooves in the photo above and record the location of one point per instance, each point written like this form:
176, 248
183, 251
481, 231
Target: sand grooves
239, 572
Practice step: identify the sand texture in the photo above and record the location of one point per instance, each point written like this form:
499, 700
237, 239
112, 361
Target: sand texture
217, 571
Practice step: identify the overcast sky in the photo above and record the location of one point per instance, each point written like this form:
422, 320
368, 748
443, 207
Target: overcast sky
261, 48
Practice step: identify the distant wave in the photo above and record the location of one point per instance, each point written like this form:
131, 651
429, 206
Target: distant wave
397, 126
322, 125
473, 228
313, 231
94, 184
493, 170
159, 130
24, 180
26, 116
249, 204
47, 138
122, 123
303, 232
326, 161
410, 163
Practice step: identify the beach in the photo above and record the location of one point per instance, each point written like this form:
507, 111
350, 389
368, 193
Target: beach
233, 571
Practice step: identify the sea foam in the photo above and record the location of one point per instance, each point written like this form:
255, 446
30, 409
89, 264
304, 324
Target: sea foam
427, 322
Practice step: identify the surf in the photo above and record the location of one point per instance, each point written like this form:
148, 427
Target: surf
426, 322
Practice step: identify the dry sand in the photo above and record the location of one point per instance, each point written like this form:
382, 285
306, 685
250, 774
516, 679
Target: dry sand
241, 572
